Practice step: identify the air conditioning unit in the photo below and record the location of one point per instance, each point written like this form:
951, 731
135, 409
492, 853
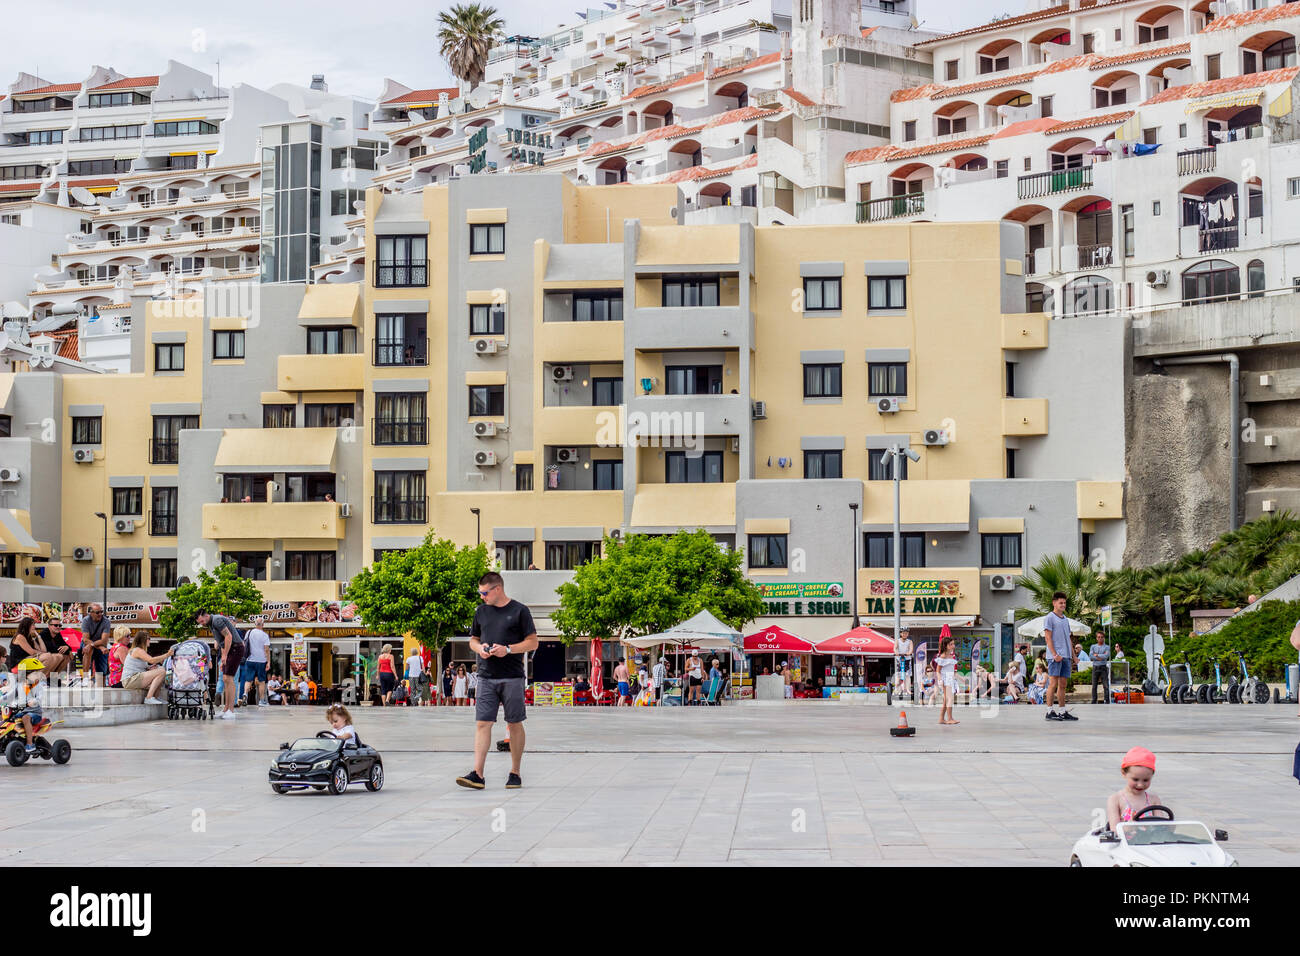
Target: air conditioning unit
562, 373
485, 346
123, 525
345, 510
935, 436
886, 406
485, 429
485, 458
83, 554
9, 474
1158, 278
1002, 582
758, 410
616, 534
566, 454
83, 456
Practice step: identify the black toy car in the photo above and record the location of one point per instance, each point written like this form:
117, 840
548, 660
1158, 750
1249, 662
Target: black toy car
323, 762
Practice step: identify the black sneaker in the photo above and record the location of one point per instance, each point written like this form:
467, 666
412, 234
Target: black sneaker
1052, 715
513, 782
471, 780
1066, 715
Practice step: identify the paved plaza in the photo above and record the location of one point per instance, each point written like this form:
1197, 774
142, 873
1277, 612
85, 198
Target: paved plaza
757, 783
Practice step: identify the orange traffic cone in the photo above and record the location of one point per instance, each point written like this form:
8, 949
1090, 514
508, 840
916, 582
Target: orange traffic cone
902, 730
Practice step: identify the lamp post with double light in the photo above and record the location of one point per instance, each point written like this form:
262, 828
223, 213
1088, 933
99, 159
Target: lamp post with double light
892, 460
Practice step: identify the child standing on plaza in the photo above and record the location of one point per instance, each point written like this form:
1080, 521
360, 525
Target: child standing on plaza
1138, 767
946, 663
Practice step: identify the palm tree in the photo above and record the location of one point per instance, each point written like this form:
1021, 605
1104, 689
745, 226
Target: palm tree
1086, 591
465, 35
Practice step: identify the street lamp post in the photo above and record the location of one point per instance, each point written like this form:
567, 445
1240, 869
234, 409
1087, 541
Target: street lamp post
891, 459
478, 526
853, 510
103, 560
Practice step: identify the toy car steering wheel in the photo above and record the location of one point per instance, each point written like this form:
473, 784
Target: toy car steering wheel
327, 733
1145, 811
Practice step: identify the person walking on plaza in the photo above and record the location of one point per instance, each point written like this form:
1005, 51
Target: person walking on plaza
946, 664
447, 679
230, 648
414, 672
472, 683
695, 675
460, 687
387, 674
259, 643
624, 679
94, 643
659, 673
1060, 658
502, 633
1100, 655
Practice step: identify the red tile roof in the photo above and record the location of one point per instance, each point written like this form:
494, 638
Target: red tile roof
867, 31
742, 115
1229, 84
1069, 63
34, 186
19, 187
422, 96
915, 92
766, 60
893, 153
798, 97
1057, 11
52, 88
990, 84
1025, 126
1266, 15
1102, 62
1088, 122
128, 83
69, 348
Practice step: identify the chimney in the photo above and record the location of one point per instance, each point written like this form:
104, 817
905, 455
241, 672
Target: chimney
785, 60
318, 83
707, 63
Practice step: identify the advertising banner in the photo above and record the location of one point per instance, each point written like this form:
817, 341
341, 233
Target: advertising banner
274, 613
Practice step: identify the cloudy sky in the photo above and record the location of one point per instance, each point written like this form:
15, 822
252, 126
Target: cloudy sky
264, 42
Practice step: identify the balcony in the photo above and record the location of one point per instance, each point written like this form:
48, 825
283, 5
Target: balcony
1193, 162
577, 425
390, 352
692, 414
579, 342
399, 510
891, 207
1095, 256
260, 520
1024, 416
1217, 238
412, 431
702, 327
164, 451
402, 275
320, 373
162, 523
1037, 185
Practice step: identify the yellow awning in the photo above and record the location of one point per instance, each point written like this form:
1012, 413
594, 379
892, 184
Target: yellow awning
337, 300
1239, 98
269, 450
16, 536
1282, 105
684, 506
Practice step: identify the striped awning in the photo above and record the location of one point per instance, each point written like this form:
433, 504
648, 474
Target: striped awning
1239, 98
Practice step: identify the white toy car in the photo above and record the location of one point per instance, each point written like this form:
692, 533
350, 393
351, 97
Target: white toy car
1150, 841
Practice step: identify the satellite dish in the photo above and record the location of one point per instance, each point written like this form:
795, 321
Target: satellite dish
455, 105
83, 196
479, 97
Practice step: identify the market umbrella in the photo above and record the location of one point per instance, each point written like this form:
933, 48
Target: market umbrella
862, 641
944, 632
776, 639
1035, 627
703, 630
597, 675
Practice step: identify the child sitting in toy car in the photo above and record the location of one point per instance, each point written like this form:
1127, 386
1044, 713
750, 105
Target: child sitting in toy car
340, 721
1138, 767
23, 695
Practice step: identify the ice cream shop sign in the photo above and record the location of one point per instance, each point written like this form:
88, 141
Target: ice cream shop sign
917, 597
805, 600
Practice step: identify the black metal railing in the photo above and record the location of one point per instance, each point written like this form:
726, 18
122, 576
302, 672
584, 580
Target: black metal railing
400, 431
162, 522
891, 207
1095, 256
1219, 237
1057, 181
394, 352
164, 451
1204, 159
399, 510
400, 275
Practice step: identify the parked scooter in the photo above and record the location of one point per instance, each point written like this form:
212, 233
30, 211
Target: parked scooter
1250, 689
1181, 690
1160, 685
1292, 695
1214, 693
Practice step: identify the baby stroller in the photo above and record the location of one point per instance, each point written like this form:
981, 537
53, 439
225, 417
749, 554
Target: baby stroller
189, 670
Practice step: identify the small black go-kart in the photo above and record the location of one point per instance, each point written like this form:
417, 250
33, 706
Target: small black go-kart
13, 740
323, 762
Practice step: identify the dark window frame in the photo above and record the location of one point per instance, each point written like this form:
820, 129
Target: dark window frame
690, 290
895, 385
226, 340
490, 399
769, 551
487, 319
673, 457
1001, 550
894, 289
882, 543
124, 572
826, 456
815, 290
171, 350
823, 380
487, 239
128, 503
162, 573
87, 430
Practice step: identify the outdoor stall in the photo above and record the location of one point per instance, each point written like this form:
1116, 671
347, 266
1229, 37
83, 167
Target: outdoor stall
860, 662
768, 648
703, 633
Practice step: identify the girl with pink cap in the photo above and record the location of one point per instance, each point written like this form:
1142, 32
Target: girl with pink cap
1138, 767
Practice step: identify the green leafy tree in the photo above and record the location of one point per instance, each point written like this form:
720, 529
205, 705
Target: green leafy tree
466, 33
646, 584
1086, 590
430, 591
220, 592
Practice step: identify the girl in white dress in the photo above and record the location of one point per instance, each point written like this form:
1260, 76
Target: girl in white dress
460, 688
946, 663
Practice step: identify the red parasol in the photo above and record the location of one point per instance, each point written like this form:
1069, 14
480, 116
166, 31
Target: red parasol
861, 640
944, 632
776, 639
597, 674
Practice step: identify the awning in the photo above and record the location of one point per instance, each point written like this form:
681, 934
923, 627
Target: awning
860, 641
332, 300
702, 630
15, 538
776, 638
268, 450
1239, 98
932, 621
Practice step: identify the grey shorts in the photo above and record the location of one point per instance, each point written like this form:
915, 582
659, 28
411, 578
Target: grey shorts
496, 693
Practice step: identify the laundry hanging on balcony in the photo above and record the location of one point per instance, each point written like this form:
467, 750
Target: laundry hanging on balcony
552, 476
1145, 149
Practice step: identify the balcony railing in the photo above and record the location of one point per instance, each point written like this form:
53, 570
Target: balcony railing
164, 451
162, 522
1096, 256
891, 207
391, 352
399, 510
1058, 181
400, 431
401, 275
1192, 162
1219, 237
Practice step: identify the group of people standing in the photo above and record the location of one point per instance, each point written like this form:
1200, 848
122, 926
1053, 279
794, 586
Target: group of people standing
418, 686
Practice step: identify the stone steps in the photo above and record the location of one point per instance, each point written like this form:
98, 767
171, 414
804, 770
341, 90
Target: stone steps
97, 707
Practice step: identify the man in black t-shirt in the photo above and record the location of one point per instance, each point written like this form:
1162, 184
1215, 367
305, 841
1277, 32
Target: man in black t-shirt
502, 634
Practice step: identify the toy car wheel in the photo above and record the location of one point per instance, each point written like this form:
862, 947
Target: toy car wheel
376, 781
1261, 693
276, 788
16, 753
61, 752
338, 780
1234, 694
1075, 861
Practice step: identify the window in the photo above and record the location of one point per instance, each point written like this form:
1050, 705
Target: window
487, 239
1002, 168
487, 400
693, 379
946, 125
990, 64
887, 292
1126, 226
309, 565
6, 426
128, 501
682, 291
487, 320
1010, 376
607, 391
381, 553
24, 171
1011, 463
1214, 279
165, 448
1089, 42
1213, 68
950, 69
1029, 164
329, 415
823, 464
1045, 105
131, 98
608, 475
248, 564
98, 167
124, 572
87, 431
881, 467
239, 487
400, 418
162, 514
885, 379
331, 341
1088, 295
1151, 136
169, 358
1255, 278
567, 555
1182, 130
598, 307
308, 487
400, 497
1066, 161
279, 416
701, 467
342, 201
768, 550
1000, 550
1155, 208
821, 295
878, 549
1147, 34
909, 131
1280, 55
1254, 202
524, 477
401, 262
228, 344
822, 381
400, 339
162, 573
184, 128
44, 137
515, 555
96, 133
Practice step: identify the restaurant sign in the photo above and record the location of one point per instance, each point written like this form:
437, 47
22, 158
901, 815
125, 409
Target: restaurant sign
788, 598
918, 596
278, 613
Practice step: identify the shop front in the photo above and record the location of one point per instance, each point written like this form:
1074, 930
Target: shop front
948, 598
